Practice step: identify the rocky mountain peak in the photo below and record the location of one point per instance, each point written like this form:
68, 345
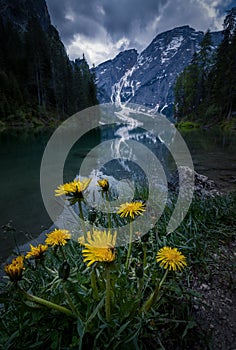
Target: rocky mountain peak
112, 71
148, 78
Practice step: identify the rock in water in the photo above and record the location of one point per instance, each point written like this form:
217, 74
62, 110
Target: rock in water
203, 186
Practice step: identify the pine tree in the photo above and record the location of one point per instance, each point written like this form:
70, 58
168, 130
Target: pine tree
223, 72
206, 89
187, 90
36, 75
233, 76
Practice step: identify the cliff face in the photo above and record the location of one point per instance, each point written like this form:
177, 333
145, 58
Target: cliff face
18, 13
112, 71
37, 79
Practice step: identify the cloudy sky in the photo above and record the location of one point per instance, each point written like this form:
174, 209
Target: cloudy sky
102, 28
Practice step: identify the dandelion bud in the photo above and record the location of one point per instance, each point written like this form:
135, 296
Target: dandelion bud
64, 270
145, 238
104, 184
139, 270
92, 214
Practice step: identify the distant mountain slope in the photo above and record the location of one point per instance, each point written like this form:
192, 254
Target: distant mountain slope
148, 78
111, 72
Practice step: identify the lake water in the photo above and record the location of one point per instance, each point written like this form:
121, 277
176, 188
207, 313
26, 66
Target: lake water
213, 153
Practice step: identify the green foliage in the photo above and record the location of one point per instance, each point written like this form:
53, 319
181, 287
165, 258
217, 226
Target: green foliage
228, 125
187, 125
205, 90
169, 324
37, 74
186, 91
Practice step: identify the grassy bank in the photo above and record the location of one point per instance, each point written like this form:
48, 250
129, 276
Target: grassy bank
31, 119
225, 125
92, 316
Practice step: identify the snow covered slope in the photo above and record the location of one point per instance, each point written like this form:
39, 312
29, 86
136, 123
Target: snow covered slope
148, 78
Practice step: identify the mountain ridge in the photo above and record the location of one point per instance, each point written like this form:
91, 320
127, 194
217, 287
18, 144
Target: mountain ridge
148, 77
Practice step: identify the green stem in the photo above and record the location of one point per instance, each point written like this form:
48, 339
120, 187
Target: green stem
70, 302
153, 297
140, 286
82, 219
94, 284
108, 295
62, 252
163, 279
108, 211
46, 303
144, 255
130, 245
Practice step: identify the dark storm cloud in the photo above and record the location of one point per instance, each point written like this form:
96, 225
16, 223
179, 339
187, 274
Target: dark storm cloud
88, 17
101, 28
71, 17
123, 17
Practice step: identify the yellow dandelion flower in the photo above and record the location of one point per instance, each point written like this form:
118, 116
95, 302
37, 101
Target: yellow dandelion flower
95, 234
171, 259
36, 252
99, 247
104, 184
62, 189
15, 269
57, 237
131, 209
73, 189
82, 240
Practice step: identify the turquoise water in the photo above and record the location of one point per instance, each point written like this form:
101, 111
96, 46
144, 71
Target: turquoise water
21, 205
213, 153
20, 155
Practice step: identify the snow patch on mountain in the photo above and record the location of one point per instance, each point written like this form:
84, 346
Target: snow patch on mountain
116, 94
172, 48
148, 78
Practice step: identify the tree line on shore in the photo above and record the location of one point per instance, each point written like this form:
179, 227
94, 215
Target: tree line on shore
38, 82
206, 89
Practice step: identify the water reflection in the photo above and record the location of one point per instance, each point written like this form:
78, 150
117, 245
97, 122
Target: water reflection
213, 153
